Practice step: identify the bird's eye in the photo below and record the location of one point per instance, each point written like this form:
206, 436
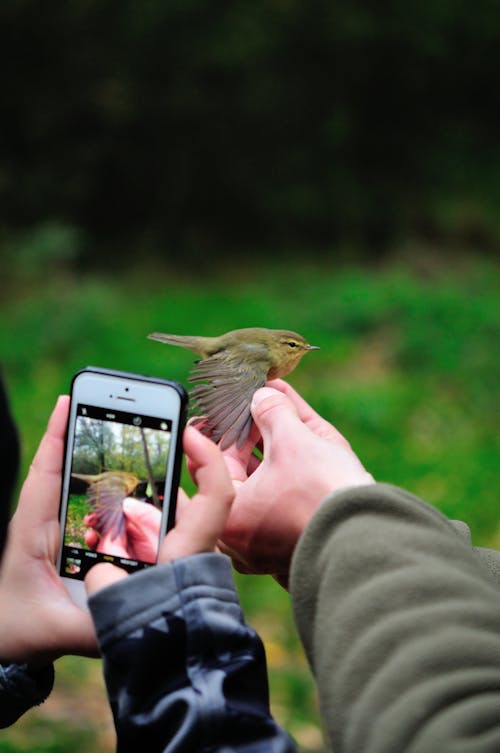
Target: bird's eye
292, 344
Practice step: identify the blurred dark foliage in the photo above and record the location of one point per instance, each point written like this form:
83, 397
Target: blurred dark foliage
194, 124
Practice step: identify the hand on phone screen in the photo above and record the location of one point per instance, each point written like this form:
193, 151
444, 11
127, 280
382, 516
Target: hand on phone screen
138, 540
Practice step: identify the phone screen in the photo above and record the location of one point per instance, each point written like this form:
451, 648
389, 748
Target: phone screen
116, 490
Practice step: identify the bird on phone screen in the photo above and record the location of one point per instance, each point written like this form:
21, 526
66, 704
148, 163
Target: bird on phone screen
231, 368
105, 494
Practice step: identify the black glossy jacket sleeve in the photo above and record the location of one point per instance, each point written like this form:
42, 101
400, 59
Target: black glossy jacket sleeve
183, 670
21, 688
400, 619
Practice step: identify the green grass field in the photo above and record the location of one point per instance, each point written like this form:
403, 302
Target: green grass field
78, 508
408, 371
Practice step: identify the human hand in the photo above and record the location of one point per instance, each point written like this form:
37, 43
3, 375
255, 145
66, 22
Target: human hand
200, 520
139, 540
38, 620
304, 459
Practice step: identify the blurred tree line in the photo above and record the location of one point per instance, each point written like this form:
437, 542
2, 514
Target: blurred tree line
101, 446
276, 123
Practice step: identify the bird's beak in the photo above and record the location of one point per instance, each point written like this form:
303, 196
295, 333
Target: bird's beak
312, 347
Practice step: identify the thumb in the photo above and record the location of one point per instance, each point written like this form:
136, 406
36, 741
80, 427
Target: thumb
102, 575
274, 413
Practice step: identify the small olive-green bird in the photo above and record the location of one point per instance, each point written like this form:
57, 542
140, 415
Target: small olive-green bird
232, 367
106, 492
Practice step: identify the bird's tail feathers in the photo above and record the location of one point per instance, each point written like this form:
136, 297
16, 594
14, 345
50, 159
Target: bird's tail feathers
184, 341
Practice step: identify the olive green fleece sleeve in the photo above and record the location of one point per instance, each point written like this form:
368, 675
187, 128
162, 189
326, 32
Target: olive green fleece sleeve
489, 558
400, 621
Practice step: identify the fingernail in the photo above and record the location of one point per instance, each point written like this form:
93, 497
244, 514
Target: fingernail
262, 394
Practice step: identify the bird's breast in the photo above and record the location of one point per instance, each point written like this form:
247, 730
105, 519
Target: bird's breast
279, 370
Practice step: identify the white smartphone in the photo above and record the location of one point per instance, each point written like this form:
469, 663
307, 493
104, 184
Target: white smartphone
121, 472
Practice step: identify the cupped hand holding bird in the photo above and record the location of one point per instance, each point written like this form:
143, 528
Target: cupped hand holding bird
304, 459
137, 538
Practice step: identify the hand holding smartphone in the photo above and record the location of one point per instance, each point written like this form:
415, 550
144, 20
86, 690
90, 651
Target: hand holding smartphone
121, 472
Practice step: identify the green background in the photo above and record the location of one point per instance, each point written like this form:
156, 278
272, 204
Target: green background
329, 167
408, 371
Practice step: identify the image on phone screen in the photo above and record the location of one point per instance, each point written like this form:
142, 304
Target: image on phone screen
116, 490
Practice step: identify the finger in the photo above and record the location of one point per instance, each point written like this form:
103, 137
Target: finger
141, 515
90, 519
276, 417
143, 523
49, 456
237, 466
196, 423
316, 423
103, 575
203, 519
182, 503
115, 546
209, 471
91, 538
242, 462
238, 458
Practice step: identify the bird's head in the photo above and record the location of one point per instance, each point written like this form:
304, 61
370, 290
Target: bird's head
287, 348
122, 481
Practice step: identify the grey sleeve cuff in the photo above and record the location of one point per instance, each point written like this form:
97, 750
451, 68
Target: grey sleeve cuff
125, 606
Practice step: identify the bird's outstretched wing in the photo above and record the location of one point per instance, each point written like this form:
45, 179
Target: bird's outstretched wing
224, 393
106, 495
